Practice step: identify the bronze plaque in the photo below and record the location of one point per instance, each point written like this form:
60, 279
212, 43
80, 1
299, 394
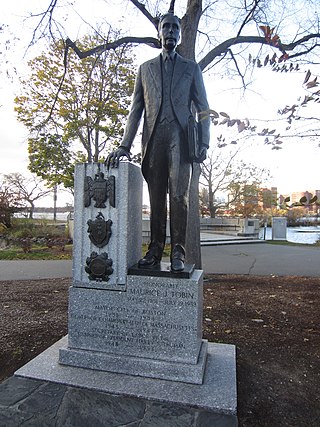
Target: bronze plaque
99, 230
99, 267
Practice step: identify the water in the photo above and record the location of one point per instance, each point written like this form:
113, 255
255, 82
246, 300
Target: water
61, 216
305, 235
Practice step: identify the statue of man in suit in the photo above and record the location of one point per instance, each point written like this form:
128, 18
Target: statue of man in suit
165, 88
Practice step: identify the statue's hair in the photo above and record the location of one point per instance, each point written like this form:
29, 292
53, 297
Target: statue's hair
162, 17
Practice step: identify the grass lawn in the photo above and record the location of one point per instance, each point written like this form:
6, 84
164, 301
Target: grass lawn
37, 253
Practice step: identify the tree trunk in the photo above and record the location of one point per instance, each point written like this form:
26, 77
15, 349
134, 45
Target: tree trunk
213, 211
6, 217
212, 208
31, 210
55, 188
189, 27
193, 248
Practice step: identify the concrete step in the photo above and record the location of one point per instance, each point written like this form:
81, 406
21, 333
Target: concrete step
231, 241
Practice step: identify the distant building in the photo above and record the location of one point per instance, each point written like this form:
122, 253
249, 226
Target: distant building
296, 196
269, 197
309, 195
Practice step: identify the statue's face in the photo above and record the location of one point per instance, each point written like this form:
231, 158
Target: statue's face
169, 32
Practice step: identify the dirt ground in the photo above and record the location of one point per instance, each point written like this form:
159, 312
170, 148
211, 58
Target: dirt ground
273, 321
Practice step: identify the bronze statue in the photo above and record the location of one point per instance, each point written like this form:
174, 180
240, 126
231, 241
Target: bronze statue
165, 89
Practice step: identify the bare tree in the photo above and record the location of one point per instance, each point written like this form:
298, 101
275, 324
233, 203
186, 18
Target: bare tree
216, 174
224, 173
10, 203
27, 190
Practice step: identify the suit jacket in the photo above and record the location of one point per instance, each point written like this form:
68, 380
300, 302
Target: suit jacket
187, 87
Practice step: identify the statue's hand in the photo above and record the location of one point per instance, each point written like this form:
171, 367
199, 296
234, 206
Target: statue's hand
202, 153
112, 161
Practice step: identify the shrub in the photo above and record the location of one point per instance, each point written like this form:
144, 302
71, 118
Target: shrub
25, 244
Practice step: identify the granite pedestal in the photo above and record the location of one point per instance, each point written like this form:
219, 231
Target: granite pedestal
133, 332
114, 198
152, 329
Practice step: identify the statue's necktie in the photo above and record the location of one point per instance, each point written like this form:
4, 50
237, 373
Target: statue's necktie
168, 66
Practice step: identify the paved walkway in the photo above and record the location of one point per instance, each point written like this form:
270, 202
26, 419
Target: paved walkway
221, 254
28, 270
261, 259
225, 254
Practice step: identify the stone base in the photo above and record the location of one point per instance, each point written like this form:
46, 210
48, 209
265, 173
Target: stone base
217, 394
157, 319
162, 270
137, 366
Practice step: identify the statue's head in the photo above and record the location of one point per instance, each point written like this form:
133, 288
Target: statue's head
169, 31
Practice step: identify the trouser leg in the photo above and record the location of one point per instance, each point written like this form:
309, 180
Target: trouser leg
167, 167
157, 180
158, 216
179, 184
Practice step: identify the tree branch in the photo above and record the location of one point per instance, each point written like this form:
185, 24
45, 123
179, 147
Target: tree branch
171, 7
237, 67
43, 15
150, 41
223, 47
293, 45
146, 13
248, 17
304, 52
